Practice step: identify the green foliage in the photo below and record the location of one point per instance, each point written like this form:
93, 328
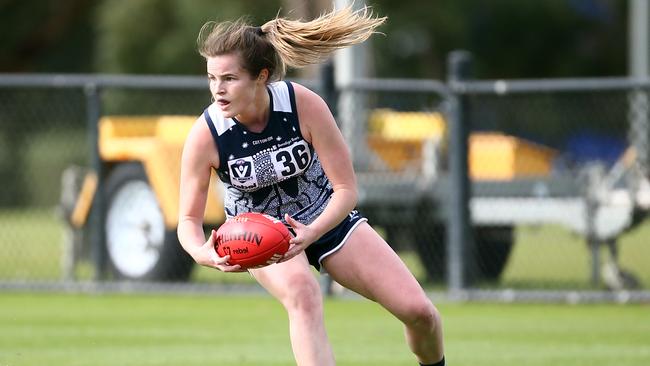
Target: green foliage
46, 35
508, 38
159, 36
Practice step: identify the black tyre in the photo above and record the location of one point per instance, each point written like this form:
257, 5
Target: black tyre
430, 245
493, 248
490, 255
138, 245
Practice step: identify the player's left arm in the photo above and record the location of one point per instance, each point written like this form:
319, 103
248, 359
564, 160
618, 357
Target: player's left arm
319, 128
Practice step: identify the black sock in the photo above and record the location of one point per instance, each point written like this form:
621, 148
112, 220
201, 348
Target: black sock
439, 363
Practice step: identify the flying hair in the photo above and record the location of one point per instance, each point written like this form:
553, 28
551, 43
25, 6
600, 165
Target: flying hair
304, 43
282, 43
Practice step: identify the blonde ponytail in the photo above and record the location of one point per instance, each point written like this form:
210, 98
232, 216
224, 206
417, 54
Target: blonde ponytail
281, 42
303, 43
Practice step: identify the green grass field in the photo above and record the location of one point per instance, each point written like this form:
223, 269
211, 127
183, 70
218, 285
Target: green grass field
70, 330
31, 241
67, 329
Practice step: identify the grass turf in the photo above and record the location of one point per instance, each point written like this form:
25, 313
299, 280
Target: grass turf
64, 329
546, 257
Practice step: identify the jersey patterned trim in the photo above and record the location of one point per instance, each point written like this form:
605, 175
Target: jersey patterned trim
275, 171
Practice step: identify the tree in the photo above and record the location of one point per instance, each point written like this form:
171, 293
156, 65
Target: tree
37, 36
46, 36
508, 38
159, 36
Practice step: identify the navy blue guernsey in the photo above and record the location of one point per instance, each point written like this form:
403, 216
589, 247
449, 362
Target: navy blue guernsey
275, 171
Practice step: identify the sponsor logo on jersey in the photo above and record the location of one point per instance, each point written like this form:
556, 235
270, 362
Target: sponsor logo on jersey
264, 140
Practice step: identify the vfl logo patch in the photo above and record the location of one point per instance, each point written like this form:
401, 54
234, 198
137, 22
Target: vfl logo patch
242, 172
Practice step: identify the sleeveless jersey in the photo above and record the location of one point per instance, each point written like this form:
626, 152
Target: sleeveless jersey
275, 171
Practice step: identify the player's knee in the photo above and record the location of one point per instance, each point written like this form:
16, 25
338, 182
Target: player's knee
422, 315
303, 295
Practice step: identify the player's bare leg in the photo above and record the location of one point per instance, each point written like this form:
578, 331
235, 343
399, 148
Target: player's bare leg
368, 266
295, 286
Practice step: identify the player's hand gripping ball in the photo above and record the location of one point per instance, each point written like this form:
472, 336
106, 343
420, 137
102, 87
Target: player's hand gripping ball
252, 240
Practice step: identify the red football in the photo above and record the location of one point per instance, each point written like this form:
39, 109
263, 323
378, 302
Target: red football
252, 240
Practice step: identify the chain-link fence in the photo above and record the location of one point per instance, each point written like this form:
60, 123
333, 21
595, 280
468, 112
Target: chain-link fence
578, 171
492, 185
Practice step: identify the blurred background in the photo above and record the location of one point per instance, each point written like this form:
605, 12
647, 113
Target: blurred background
557, 38
518, 164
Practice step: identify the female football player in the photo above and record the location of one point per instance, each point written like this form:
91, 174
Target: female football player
277, 149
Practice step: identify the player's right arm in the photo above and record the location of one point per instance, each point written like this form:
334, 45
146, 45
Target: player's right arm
199, 158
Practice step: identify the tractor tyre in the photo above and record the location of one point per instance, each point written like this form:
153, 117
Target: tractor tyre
139, 246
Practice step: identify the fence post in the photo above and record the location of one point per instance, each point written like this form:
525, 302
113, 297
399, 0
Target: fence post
97, 212
458, 225
593, 177
638, 63
329, 94
328, 86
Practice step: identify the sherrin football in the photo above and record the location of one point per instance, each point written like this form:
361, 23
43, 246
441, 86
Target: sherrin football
252, 240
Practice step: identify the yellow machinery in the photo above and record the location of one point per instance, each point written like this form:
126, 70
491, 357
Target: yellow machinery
157, 143
141, 160
398, 138
141, 157
413, 146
